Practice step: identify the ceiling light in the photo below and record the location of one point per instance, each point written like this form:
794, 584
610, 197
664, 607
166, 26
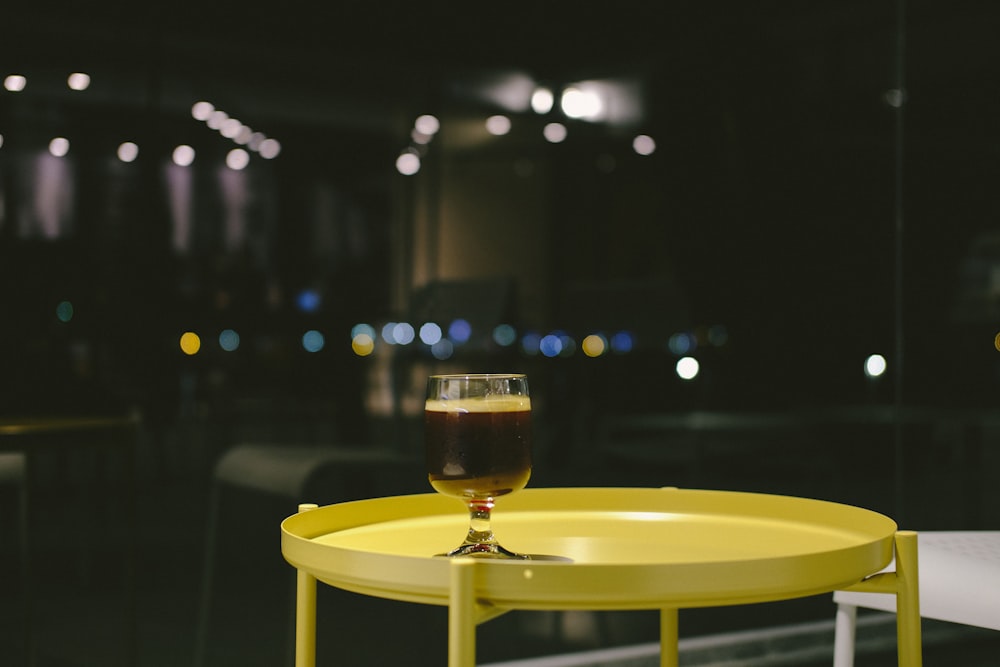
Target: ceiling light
78, 81
643, 144
269, 148
230, 128
243, 136
554, 132
498, 125
216, 119
59, 146
15, 83
542, 100
183, 155
128, 152
202, 110
408, 163
255, 140
581, 103
237, 159
427, 124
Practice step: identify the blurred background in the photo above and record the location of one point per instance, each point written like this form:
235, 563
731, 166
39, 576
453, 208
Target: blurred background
737, 246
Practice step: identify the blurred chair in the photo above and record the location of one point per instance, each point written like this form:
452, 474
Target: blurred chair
286, 473
959, 579
13, 471
22, 441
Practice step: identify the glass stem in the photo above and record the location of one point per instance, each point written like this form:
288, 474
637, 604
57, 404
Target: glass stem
480, 531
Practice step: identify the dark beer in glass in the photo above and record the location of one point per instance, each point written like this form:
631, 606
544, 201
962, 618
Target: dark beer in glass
477, 442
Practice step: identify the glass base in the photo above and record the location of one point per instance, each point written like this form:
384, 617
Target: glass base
484, 550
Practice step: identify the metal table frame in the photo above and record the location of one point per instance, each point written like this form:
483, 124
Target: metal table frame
476, 590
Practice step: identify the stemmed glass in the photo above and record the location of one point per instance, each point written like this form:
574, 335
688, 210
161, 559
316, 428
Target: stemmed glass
477, 439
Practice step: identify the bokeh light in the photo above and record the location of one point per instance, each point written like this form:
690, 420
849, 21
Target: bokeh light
622, 343
313, 341
580, 103
363, 343
542, 100
644, 144
875, 365
427, 124
498, 125
237, 159
682, 343
895, 97
459, 331
229, 340
15, 83
550, 345
504, 335
554, 133
568, 344
202, 110
183, 155
128, 152
388, 334
64, 311
430, 333
530, 343
403, 333
408, 163
308, 301
594, 345
269, 148
443, 349
230, 128
243, 136
255, 140
78, 81
216, 119
363, 328
190, 343
59, 146
687, 368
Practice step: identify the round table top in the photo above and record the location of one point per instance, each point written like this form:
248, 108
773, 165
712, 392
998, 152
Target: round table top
597, 548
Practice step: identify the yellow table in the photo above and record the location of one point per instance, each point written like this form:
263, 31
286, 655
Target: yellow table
599, 549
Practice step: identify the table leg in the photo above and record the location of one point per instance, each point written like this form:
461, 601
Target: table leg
668, 638
908, 639
305, 620
305, 613
462, 614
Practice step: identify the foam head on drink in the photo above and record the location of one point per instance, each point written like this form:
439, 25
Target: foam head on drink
478, 447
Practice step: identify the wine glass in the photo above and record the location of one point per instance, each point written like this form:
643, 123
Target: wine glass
477, 439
